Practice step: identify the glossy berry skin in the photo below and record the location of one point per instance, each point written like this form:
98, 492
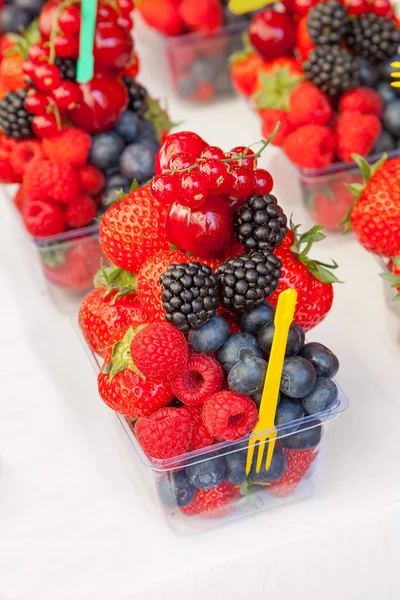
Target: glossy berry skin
165, 433
236, 467
113, 47
174, 490
238, 347
276, 469
307, 436
183, 141
322, 359
252, 320
36, 103
214, 503
266, 335
181, 161
288, 410
66, 46
229, 416
272, 34
301, 7
165, 188
66, 95
46, 17
69, 20
204, 232
208, 473
46, 77
250, 162
247, 376
45, 126
357, 7
382, 8
193, 189
322, 397
106, 14
263, 182
213, 152
298, 377
210, 337
240, 182
102, 102
216, 175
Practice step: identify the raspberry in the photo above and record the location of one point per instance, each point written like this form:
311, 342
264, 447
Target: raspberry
49, 180
308, 105
356, 133
19, 198
23, 153
7, 172
42, 218
229, 416
159, 351
269, 118
165, 433
200, 436
364, 100
201, 378
215, 502
91, 180
80, 211
310, 146
70, 147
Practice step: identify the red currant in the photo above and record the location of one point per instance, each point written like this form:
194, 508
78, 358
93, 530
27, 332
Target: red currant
133, 68
125, 22
113, 47
263, 181
46, 77
213, 152
106, 14
181, 161
126, 7
357, 7
382, 8
70, 20
29, 67
45, 125
66, 46
38, 50
240, 182
193, 188
301, 7
46, 18
66, 95
36, 103
165, 188
216, 175
250, 162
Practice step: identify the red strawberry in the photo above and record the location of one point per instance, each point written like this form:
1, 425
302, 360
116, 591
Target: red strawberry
245, 66
304, 43
205, 16
311, 279
298, 463
307, 104
165, 433
200, 436
356, 134
133, 229
7, 171
269, 119
216, 502
394, 276
276, 81
163, 15
74, 267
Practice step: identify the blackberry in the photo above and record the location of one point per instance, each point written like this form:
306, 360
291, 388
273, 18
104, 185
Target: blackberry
67, 67
245, 281
373, 37
333, 69
189, 295
260, 223
15, 120
137, 97
328, 23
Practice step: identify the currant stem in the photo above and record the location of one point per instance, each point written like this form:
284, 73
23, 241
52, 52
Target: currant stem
54, 27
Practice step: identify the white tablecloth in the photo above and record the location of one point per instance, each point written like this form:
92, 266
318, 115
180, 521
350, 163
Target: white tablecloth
75, 523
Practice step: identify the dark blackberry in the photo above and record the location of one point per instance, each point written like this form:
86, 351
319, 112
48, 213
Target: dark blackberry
15, 120
328, 23
373, 37
260, 223
245, 281
137, 96
333, 69
189, 295
67, 67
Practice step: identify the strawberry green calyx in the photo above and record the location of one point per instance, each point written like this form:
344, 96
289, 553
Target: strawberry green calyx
319, 270
276, 89
121, 355
244, 53
24, 40
394, 279
113, 279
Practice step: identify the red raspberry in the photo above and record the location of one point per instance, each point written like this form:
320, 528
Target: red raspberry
356, 133
308, 105
80, 211
49, 180
165, 433
200, 436
91, 180
159, 351
215, 502
364, 100
205, 16
23, 153
310, 147
269, 119
201, 378
7, 172
19, 198
70, 147
42, 218
229, 416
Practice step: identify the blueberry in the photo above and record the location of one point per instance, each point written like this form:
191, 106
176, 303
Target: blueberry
203, 70
266, 336
307, 436
252, 321
236, 467
208, 473
369, 74
301, 333
147, 130
384, 142
288, 410
117, 181
323, 360
137, 162
386, 92
276, 469
391, 117
128, 126
106, 149
385, 68
298, 377
151, 143
237, 347
31, 6
210, 337
186, 87
247, 376
174, 490
322, 397
12, 18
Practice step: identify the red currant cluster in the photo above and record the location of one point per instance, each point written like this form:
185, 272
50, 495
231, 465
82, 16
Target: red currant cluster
189, 180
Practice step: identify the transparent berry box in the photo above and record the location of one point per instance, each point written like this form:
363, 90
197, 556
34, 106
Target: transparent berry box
325, 194
300, 444
199, 64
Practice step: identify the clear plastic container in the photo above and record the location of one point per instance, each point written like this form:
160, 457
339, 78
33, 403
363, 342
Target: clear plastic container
199, 64
235, 500
325, 193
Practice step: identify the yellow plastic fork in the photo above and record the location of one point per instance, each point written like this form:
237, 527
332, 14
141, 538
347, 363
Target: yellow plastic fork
239, 7
269, 400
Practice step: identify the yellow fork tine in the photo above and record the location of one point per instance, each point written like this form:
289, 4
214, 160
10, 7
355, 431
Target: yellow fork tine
250, 452
270, 450
260, 454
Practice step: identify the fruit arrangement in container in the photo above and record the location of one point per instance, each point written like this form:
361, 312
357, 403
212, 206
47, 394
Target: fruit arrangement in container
183, 317
328, 81
73, 146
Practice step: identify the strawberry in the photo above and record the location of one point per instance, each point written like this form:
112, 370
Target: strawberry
310, 278
269, 119
304, 43
245, 65
298, 463
133, 229
163, 15
375, 214
394, 276
276, 80
205, 16
216, 502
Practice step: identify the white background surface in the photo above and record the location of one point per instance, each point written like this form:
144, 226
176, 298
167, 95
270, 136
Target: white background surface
75, 523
